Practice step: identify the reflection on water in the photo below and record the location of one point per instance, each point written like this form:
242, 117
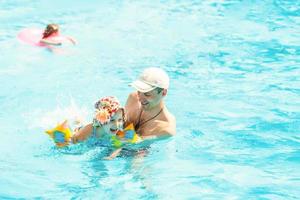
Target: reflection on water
234, 90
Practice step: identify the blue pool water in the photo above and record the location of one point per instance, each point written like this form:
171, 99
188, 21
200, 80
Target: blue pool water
235, 91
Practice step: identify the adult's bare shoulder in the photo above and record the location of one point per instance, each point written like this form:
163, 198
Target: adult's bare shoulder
172, 125
169, 124
132, 98
131, 108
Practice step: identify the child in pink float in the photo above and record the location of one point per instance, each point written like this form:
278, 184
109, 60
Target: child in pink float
51, 36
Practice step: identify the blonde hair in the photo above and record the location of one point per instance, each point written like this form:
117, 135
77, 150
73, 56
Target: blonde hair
50, 29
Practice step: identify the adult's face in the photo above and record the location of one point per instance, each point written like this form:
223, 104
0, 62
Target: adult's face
151, 99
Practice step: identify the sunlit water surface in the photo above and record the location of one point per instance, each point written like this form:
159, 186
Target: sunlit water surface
235, 91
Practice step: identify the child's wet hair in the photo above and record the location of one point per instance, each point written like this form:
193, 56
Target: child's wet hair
50, 29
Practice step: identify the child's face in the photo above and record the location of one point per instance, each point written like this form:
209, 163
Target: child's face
116, 123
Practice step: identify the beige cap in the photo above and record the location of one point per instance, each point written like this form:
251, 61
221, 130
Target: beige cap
150, 79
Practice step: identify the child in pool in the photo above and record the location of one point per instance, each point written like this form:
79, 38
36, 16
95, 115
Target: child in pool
49, 34
108, 120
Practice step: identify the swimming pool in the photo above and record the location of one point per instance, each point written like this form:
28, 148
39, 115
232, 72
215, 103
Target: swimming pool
234, 69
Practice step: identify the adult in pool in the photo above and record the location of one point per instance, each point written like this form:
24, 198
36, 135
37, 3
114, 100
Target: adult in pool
146, 107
